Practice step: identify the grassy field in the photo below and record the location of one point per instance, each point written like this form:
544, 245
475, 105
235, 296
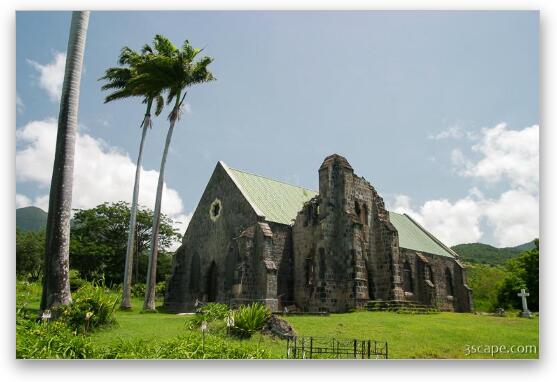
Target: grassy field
443, 335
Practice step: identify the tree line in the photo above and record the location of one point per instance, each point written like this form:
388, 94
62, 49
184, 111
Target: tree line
98, 246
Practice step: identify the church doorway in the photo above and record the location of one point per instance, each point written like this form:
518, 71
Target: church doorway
212, 283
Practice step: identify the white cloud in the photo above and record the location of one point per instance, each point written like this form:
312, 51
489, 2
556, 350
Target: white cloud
453, 132
507, 154
513, 217
101, 173
503, 155
22, 201
452, 223
51, 75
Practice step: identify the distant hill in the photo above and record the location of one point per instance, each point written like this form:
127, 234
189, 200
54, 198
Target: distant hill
30, 218
487, 254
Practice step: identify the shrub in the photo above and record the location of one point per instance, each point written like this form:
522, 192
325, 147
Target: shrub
249, 319
160, 289
41, 340
76, 282
92, 307
138, 290
211, 312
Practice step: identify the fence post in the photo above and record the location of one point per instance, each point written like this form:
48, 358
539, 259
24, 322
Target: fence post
386, 351
288, 347
355, 344
368, 348
310, 347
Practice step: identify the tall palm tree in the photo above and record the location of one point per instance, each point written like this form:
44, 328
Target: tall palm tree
56, 284
119, 79
180, 70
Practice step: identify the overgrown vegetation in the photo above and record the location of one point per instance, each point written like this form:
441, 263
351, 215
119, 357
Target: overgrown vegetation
250, 318
92, 307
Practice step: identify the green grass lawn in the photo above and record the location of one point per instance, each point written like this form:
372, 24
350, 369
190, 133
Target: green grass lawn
443, 335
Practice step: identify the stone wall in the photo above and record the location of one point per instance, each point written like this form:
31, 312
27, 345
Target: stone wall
208, 240
436, 281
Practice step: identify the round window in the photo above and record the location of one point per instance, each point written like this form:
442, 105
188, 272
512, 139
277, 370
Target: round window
215, 209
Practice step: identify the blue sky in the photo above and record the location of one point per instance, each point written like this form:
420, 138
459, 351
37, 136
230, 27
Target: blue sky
414, 100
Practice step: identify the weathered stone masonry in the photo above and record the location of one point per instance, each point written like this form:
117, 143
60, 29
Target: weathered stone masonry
256, 239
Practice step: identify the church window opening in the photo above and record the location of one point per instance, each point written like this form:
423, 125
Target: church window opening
449, 282
215, 209
309, 270
363, 216
407, 277
429, 274
322, 264
357, 209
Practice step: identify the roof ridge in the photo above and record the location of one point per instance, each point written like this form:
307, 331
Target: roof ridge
274, 180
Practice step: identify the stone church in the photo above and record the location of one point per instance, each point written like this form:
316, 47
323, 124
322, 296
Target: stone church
252, 238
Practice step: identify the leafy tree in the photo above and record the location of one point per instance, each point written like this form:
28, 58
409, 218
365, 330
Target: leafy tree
524, 273
99, 240
29, 253
485, 281
56, 283
178, 69
123, 83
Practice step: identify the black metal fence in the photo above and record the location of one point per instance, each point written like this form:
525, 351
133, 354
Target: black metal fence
333, 348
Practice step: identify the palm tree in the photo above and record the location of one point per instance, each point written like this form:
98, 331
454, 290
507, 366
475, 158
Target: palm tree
180, 70
56, 284
120, 79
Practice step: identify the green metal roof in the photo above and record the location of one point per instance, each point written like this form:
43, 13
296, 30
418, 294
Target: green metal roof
413, 236
278, 201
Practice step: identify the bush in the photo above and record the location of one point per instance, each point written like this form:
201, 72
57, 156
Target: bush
92, 307
160, 288
76, 282
249, 319
41, 340
138, 290
211, 312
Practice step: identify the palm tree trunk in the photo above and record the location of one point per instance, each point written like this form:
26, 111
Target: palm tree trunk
56, 284
126, 288
150, 286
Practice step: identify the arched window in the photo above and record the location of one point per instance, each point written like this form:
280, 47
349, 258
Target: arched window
364, 215
449, 282
357, 209
407, 277
322, 264
309, 268
429, 274
195, 272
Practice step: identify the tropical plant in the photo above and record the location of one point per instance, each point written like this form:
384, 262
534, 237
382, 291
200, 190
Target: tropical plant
56, 285
119, 80
213, 311
250, 318
92, 307
175, 69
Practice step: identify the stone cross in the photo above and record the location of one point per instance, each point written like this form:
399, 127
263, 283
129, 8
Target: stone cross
525, 312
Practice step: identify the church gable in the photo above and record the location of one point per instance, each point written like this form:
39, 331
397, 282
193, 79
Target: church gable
274, 200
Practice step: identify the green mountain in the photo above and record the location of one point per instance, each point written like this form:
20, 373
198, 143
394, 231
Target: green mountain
30, 219
479, 253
